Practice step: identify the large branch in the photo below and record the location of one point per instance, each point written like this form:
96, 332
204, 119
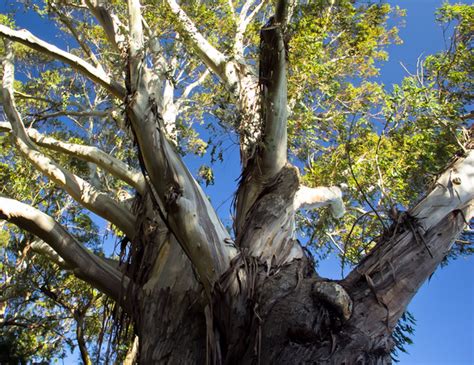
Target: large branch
185, 207
108, 163
80, 190
84, 264
282, 11
211, 57
274, 97
453, 190
109, 22
386, 280
95, 74
136, 43
270, 135
41, 247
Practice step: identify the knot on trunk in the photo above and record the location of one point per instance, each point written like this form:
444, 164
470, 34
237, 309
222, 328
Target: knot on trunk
172, 194
335, 295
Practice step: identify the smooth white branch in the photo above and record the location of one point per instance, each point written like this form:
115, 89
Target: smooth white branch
454, 190
79, 189
84, 263
243, 22
321, 196
136, 42
109, 22
41, 247
112, 165
95, 74
212, 58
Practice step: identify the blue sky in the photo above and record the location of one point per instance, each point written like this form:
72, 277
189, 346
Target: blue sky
444, 305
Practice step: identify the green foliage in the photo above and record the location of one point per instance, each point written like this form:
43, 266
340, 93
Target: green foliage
386, 144
402, 334
206, 175
334, 51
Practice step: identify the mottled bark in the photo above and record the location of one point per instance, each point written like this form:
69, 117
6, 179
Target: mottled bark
289, 315
271, 307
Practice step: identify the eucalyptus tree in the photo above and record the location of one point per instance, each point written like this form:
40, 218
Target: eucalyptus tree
293, 82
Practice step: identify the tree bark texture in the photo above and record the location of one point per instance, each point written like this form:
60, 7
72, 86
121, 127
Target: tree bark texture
273, 311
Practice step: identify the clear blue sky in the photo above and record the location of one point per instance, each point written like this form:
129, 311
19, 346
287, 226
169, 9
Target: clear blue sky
444, 306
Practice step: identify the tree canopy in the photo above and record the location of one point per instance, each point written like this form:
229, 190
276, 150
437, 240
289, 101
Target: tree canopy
74, 147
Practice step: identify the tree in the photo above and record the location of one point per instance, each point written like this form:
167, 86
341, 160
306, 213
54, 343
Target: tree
192, 289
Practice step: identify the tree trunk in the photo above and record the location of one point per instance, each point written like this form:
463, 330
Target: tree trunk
286, 320
270, 306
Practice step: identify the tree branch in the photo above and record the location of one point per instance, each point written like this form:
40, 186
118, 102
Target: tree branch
114, 166
411, 250
211, 57
109, 22
66, 20
269, 133
136, 50
73, 113
274, 95
185, 207
97, 75
311, 198
132, 353
282, 12
41, 247
80, 329
453, 190
243, 22
84, 264
189, 88
79, 189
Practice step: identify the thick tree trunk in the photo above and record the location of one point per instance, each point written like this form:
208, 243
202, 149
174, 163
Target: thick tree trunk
270, 306
286, 320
